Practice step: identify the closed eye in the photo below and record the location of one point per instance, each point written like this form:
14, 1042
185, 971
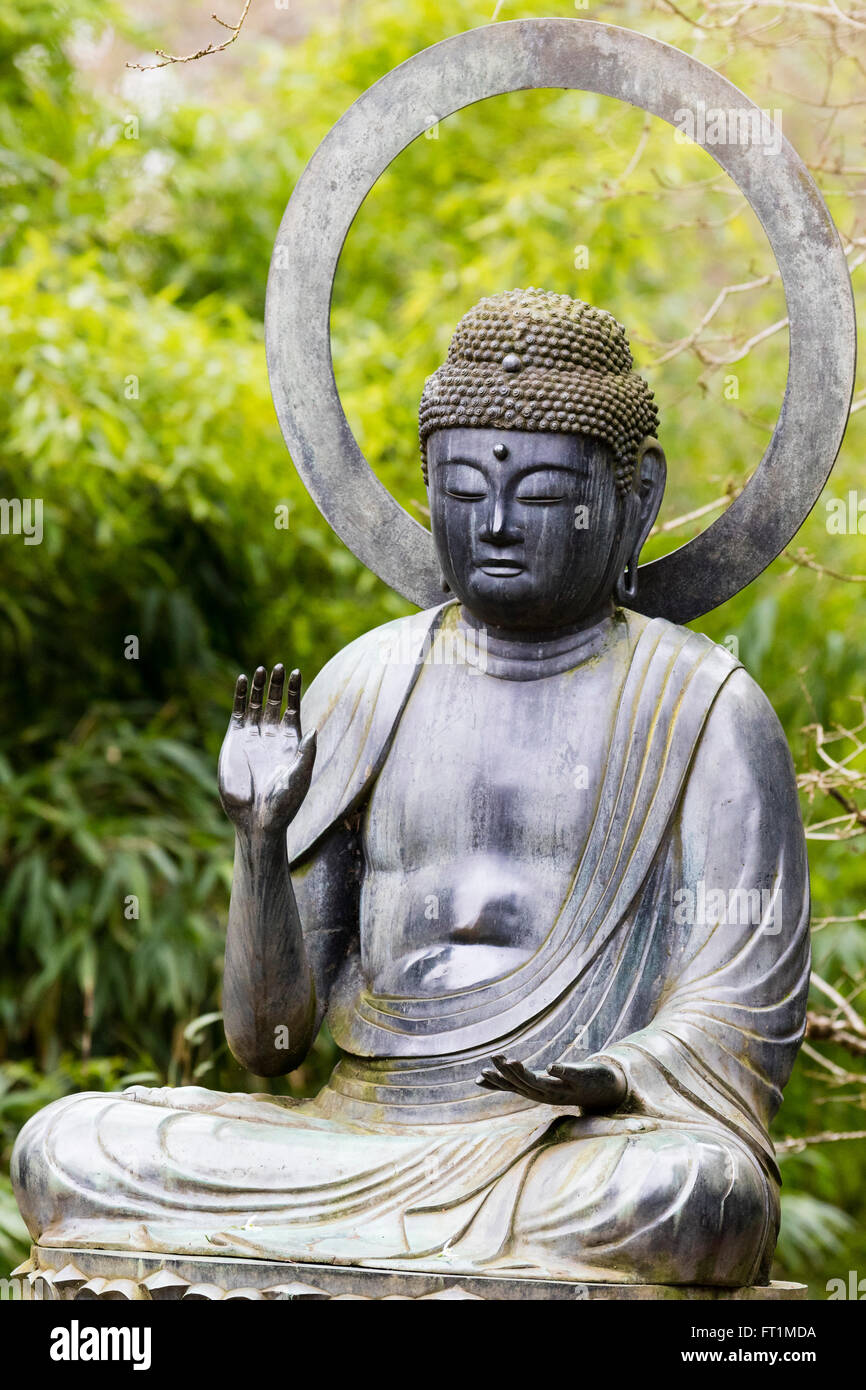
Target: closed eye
463, 481
540, 500
542, 487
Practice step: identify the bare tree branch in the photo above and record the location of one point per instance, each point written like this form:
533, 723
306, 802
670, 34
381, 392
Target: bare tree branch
807, 561
824, 1029
829, 1136
168, 58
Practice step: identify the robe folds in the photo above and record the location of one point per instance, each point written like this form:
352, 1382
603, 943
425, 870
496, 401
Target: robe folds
402, 1161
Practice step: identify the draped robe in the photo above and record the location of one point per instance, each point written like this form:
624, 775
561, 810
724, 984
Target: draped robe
401, 1161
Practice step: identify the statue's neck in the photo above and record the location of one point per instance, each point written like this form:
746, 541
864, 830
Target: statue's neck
513, 654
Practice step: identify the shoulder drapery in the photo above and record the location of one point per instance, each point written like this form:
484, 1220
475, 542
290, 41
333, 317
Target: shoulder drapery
355, 703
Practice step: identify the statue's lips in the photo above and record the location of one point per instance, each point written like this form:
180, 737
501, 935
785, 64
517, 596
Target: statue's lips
500, 569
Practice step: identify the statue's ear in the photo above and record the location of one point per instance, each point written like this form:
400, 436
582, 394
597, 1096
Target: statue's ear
650, 476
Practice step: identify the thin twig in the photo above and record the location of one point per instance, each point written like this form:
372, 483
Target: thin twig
825, 1029
676, 522
167, 58
807, 561
796, 1145
841, 1003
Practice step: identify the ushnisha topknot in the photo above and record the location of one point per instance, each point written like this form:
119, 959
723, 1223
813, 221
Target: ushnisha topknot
534, 360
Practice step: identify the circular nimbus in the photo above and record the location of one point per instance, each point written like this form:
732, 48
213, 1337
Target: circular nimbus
585, 56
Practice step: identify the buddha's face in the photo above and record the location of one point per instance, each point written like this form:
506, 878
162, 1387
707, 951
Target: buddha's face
528, 526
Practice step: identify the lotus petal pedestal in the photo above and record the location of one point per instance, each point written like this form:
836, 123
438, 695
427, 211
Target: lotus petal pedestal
65, 1274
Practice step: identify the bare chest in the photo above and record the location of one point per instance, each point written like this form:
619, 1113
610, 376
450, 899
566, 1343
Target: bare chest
477, 822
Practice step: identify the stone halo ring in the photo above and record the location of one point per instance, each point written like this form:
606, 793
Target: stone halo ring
580, 55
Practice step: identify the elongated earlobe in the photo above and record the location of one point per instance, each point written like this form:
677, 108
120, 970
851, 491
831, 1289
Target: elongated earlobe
649, 485
625, 589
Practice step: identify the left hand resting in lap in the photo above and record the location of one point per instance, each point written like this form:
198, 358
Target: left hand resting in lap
596, 1087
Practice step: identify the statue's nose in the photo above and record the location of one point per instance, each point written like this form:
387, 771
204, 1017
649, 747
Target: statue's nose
498, 524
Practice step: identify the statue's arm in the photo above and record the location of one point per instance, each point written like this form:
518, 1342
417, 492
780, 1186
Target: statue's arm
269, 989
269, 996
739, 911
327, 888
287, 935
732, 1011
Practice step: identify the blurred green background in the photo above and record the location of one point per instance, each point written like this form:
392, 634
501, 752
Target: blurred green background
139, 212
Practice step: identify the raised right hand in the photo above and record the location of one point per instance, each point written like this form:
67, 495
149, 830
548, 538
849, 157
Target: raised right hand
265, 765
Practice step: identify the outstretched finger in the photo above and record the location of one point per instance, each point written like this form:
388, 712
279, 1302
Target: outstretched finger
510, 1080
514, 1071
536, 1086
257, 695
239, 708
492, 1081
275, 695
292, 716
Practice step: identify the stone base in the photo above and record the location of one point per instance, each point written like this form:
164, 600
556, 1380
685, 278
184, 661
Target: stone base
119, 1275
